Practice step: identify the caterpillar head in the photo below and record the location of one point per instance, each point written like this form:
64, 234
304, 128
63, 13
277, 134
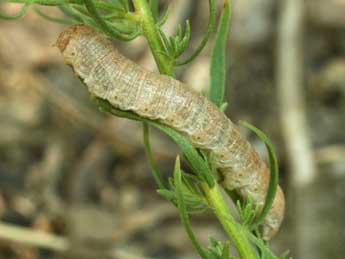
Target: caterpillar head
66, 41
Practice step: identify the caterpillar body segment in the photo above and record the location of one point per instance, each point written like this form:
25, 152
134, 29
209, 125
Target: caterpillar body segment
127, 86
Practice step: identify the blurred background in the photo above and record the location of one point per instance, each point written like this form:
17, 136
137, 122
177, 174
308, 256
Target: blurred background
82, 177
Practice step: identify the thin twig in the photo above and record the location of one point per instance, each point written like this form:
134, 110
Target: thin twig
294, 125
290, 93
50, 241
32, 238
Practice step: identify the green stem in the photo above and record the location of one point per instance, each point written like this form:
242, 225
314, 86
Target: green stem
19, 14
143, 11
213, 194
235, 231
152, 163
165, 65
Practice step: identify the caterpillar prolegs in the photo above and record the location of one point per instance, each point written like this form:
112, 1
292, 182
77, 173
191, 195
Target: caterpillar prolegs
127, 86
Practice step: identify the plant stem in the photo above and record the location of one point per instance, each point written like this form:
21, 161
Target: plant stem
151, 33
237, 233
213, 194
158, 178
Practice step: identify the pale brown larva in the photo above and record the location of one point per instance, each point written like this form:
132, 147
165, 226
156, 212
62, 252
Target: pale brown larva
127, 86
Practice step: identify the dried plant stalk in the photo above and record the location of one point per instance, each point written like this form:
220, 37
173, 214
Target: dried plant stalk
127, 86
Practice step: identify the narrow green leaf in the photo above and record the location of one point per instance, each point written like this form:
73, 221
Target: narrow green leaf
152, 163
218, 250
169, 195
124, 26
165, 41
246, 212
118, 4
223, 106
53, 19
218, 56
179, 32
185, 40
162, 20
198, 165
226, 251
274, 173
17, 15
213, 241
265, 252
80, 9
125, 5
111, 31
212, 254
285, 254
113, 16
210, 28
82, 14
190, 177
154, 6
183, 211
173, 46
68, 11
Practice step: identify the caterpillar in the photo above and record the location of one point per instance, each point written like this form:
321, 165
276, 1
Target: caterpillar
127, 86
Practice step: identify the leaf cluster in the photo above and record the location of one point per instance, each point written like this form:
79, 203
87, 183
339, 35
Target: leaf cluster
117, 19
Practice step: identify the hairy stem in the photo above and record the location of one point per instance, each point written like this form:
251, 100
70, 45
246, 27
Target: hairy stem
158, 178
237, 233
213, 194
142, 8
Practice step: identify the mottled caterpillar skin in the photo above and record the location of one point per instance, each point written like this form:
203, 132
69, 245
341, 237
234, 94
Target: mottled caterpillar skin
127, 86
